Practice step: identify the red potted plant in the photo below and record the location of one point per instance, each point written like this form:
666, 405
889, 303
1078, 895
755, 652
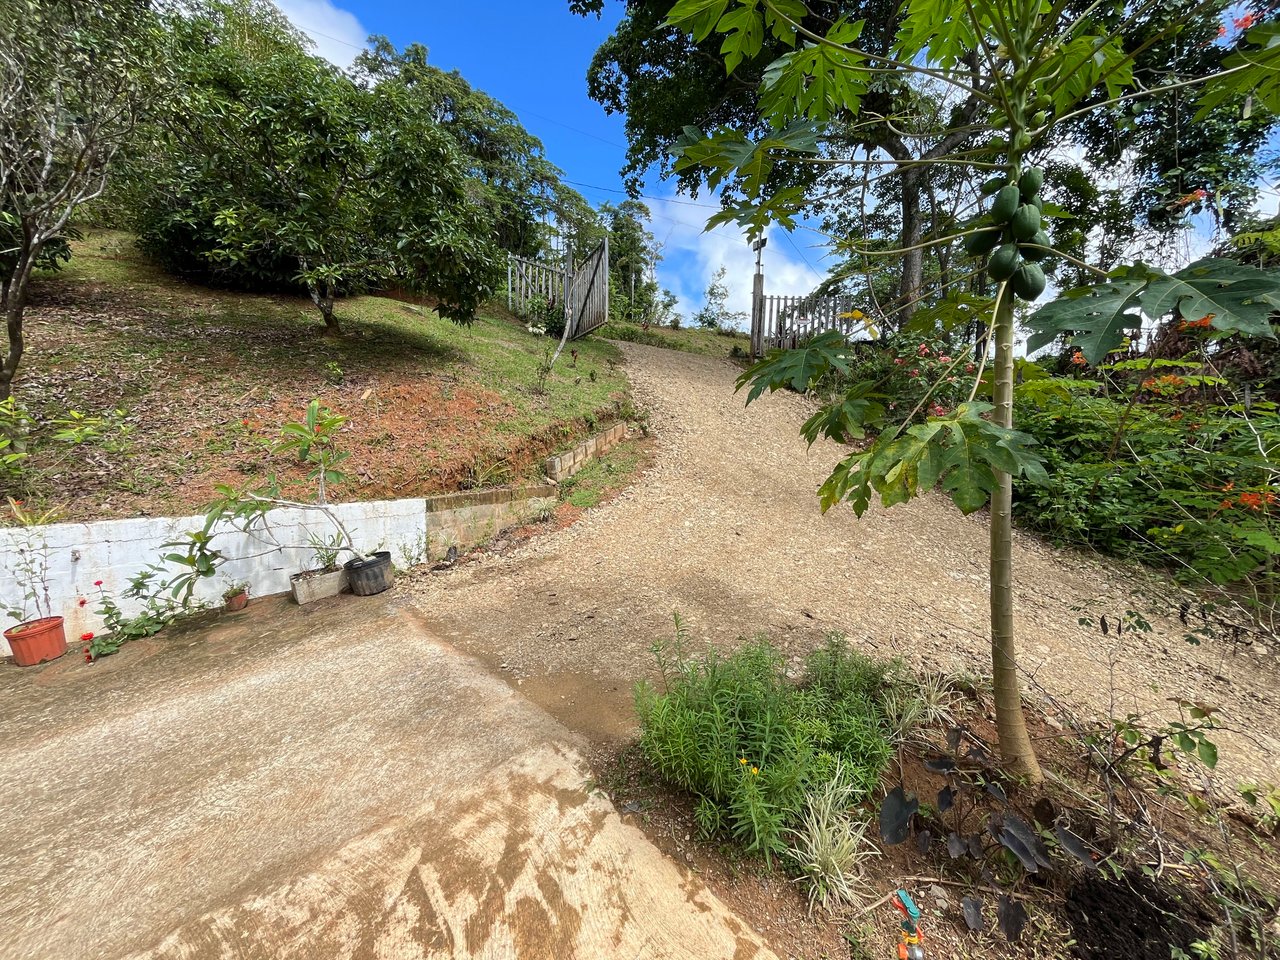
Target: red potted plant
236, 596
39, 635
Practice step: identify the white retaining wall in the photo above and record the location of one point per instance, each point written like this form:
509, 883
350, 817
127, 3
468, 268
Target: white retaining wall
114, 551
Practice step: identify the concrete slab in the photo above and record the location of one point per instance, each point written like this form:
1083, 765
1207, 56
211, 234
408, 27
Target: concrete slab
330, 782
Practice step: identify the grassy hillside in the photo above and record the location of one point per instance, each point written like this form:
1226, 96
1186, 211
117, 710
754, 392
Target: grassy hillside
709, 343
203, 379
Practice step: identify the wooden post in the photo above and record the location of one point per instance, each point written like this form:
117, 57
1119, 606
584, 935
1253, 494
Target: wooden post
508, 283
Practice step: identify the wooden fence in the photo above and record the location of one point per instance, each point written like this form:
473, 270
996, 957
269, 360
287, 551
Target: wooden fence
530, 279
783, 322
579, 291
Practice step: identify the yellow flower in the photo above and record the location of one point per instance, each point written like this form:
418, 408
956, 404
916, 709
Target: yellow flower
743, 761
754, 771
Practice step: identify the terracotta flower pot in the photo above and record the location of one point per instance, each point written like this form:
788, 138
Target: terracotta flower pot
37, 641
238, 602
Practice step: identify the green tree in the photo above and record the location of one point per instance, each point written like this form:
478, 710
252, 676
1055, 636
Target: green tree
74, 79
713, 314
633, 255
275, 168
1029, 67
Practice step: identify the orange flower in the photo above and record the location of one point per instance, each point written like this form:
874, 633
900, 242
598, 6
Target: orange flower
1078, 359
1251, 500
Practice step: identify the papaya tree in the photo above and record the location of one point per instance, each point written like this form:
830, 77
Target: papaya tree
1012, 72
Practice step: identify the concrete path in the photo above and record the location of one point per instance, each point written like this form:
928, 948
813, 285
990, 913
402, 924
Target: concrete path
332, 782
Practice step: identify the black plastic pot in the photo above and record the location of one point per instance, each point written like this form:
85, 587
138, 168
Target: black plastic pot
372, 574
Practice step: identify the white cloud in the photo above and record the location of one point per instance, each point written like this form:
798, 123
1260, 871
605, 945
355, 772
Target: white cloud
691, 258
338, 34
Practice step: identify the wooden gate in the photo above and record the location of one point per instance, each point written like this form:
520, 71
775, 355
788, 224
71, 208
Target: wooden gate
580, 290
587, 304
783, 322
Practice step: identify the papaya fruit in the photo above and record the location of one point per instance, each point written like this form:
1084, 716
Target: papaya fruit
1030, 182
1025, 222
1005, 204
1028, 281
984, 241
1037, 201
994, 184
1040, 239
1003, 263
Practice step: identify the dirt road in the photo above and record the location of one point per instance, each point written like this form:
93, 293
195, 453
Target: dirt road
725, 529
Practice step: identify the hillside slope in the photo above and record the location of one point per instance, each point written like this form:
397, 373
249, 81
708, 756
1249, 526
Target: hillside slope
183, 386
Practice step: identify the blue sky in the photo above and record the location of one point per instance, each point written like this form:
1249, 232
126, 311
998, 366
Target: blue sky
533, 56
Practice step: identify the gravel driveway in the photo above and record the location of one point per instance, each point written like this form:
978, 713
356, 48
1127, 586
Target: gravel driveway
725, 530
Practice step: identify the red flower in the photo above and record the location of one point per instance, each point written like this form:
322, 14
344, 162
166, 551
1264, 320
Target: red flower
86, 636
83, 601
88, 657
898, 361
97, 583
1245, 22
969, 368
915, 373
245, 422
1222, 31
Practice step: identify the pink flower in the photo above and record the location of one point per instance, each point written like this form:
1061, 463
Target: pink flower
924, 350
898, 361
969, 368
97, 583
944, 359
915, 373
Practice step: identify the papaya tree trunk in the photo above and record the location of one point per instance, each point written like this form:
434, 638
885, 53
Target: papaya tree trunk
1011, 725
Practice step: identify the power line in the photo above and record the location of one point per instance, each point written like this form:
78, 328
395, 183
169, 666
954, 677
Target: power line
686, 203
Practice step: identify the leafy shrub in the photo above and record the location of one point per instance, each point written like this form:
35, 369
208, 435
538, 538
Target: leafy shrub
753, 745
1164, 482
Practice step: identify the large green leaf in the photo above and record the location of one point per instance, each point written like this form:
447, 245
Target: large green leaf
1239, 298
1100, 316
963, 452
699, 17
797, 369
816, 81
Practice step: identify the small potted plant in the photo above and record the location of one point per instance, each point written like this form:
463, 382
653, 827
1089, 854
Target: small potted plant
327, 578
39, 635
248, 509
236, 596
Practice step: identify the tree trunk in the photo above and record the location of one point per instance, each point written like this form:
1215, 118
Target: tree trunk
14, 304
1011, 725
323, 299
913, 260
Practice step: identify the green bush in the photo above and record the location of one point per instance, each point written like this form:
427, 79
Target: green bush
753, 745
1168, 483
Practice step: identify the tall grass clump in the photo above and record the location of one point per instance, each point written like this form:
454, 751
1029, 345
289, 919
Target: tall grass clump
756, 747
